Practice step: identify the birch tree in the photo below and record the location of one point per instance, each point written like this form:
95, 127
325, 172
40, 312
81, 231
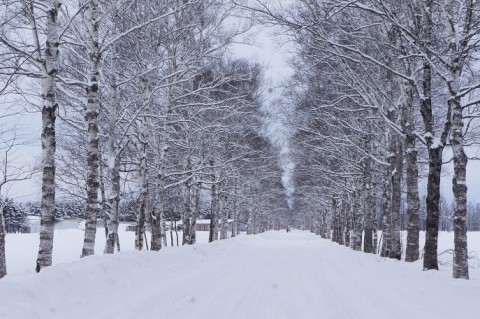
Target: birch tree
462, 25
38, 51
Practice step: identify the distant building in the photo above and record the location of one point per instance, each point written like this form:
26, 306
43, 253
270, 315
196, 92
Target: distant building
204, 224
131, 227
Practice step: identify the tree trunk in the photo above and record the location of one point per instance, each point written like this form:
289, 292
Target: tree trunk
171, 233
342, 216
234, 213
223, 213
187, 206
375, 218
112, 209
196, 210
323, 225
163, 230
435, 151
459, 181
3, 260
357, 220
335, 222
413, 201
459, 38
159, 235
397, 172
49, 111
214, 215
111, 218
158, 222
213, 209
157, 219
109, 202
251, 223
176, 231
187, 214
386, 243
432, 205
369, 202
91, 116
103, 199
348, 221
142, 202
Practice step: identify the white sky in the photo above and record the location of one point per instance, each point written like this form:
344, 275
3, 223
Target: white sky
473, 177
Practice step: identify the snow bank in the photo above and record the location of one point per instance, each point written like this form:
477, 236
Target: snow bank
22, 249
273, 275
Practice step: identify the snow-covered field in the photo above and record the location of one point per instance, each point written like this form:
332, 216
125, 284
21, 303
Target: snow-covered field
22, 249
268, 276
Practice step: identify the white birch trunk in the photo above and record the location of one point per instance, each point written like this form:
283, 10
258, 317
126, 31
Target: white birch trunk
397, 162
196, 210
375, 224
458, 41
324, 226
142, 202
3, 260
158, 221
335, 221
159, 226
214, 214
342, 218
348, 221
223, 212
459, 186
49, 111
357, 220
111, 209
252, 223
369, 201
92, 17
112, 196
213, 206
187, 214
386, 243
234, 213
413, 201
163, 230
103, 197
435, 147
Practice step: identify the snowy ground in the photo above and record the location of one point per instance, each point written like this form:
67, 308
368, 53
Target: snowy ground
22, 249
269, 276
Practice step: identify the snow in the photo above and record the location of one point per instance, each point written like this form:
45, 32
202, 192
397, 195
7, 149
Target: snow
22, 249
436, 143
274, 275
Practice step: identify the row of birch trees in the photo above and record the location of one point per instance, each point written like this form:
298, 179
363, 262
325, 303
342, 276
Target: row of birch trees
381, 89
140, 99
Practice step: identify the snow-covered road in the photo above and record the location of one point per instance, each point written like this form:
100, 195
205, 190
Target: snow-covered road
270, 276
